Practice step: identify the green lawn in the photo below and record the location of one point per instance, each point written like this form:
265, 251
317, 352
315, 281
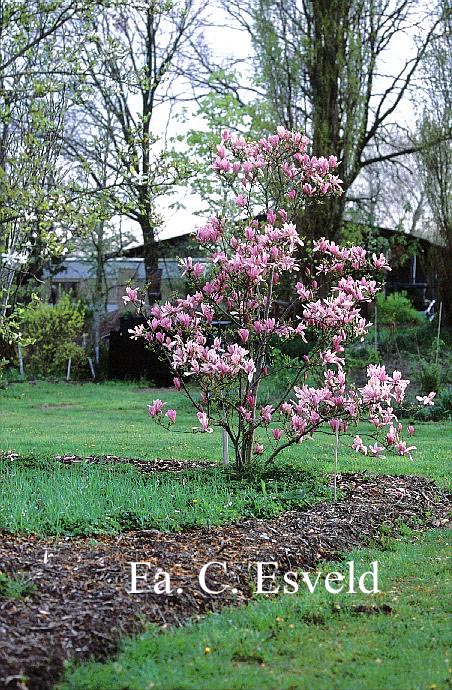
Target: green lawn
111, 419
41, 496
305, 642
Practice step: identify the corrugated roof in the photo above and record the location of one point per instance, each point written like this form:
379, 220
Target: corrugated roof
75, 270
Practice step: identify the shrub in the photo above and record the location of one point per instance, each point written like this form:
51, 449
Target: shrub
428, 376
396, 309
54, 330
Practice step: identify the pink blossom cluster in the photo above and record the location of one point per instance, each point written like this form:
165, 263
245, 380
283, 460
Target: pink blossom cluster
341, 406
240, 285
284, 155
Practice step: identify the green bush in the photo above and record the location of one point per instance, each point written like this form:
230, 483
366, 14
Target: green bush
428, 376
54, 330
396, 309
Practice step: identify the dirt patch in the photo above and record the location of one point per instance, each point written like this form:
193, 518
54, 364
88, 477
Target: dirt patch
81, 606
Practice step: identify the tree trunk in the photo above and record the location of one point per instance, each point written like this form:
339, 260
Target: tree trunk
323, 220
151, 263
98, 300
327, 59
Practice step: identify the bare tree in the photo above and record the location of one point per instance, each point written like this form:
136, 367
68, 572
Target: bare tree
134, 56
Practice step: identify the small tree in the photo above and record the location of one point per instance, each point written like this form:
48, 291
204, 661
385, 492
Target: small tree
249, 256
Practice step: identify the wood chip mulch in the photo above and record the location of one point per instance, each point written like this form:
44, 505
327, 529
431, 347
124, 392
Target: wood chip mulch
81, 606
145, 466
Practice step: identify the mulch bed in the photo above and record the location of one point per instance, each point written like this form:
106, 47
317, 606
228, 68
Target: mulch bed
145, 466
81, 606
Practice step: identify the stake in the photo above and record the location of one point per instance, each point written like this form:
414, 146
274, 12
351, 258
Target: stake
336, 450
21, 360
225, 447
439, 331
68, 374
90, 362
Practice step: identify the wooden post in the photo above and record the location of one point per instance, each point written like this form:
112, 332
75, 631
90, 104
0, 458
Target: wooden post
225, 447
21, 359
336, 452
376, 329
68, 373
439, 331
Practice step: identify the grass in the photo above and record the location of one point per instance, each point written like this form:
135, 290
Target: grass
41, 496
397, 639
15, 587
111, 419
45, 497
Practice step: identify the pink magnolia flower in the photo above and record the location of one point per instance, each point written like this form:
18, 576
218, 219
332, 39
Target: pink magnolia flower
277, 433
258, 449
426, 399
246, 414
391, 436
177, 383
204, 422
198, 270
298, 425
131, 295
171, 414
410, 430
335, 424
380, 262
271, 217
308, 189
286, 409
156, 407
250, 399
266, 414
359, 446
249, 368
403, 449
137, 332
376, 451
244, 334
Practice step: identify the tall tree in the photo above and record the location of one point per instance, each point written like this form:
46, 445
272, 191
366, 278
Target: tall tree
102, 241
133, 55
435, 160
322, 67
38, 63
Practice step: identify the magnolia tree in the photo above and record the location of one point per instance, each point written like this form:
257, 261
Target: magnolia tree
221, 373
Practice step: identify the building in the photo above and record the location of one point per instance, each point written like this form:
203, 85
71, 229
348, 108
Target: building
77, 277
